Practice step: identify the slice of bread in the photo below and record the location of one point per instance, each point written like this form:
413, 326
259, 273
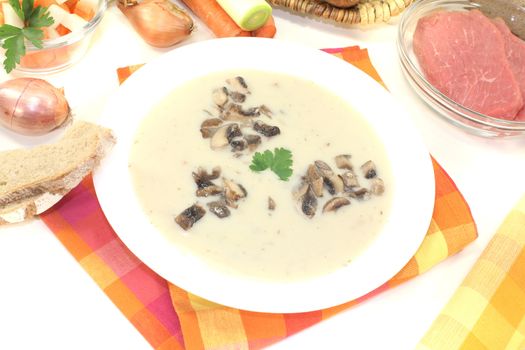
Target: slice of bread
32, 180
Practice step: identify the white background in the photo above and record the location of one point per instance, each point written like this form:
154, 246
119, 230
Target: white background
48, 302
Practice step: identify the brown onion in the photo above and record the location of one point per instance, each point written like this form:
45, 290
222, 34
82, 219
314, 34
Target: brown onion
31, 106
159, 22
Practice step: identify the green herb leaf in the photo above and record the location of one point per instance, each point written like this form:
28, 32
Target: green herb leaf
14, 38
15, 49
27, 8
280, 162
34, 35
40, 17
18, 10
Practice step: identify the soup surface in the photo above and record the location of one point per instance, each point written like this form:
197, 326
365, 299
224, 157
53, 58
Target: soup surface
279, 244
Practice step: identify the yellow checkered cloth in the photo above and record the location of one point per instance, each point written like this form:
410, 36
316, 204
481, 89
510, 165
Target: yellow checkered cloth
488, 309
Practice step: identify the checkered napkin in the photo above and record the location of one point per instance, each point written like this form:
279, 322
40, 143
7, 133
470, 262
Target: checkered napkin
488, 309
171, 318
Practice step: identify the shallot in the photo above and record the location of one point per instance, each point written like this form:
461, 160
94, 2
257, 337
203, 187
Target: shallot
159, 22
32, 106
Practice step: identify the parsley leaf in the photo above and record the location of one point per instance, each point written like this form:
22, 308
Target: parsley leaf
13, 38
40, 17
280, 162
18, 10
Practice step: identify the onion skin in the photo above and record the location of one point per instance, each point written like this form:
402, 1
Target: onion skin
31, 106
159, 22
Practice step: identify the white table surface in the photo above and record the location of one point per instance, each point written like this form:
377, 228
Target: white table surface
48, 302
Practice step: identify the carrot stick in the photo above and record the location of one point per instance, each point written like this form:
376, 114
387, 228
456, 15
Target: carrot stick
268, 30
215, 18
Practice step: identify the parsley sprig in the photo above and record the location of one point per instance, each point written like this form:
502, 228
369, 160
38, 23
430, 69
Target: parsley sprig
279, 161
34, 18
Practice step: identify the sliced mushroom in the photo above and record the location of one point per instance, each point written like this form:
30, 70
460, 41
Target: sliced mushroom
360, 193
300, 191
334, 184
235, 112
220, 96
271, 203
349, 179
369, 169
219, 208
343, 161
335, 203
238, 144
224, 135
233, 192
237, 97
210, 126
253, 141
207, 191
238, 84
265, 129
202, 174
309, 203
315, 180
323, 168
190, 216
265, 110
377, 187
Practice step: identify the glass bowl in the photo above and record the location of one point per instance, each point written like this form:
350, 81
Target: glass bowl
453, 112
60, 53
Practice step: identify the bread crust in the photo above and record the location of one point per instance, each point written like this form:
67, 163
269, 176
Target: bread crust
37, 196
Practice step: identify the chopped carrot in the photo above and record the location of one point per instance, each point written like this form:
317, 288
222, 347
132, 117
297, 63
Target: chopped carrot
61, 30
71, 4
84, 10
215, 18
268, 30
47, 3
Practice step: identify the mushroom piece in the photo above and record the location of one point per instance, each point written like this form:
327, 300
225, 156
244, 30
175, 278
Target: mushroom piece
202, 174
253, 141
343, 161
238, 84
335, 203
265, 110
369, 169
300, 191
309, 203
324, 169
238, 144
271, 203
211, 190
233, 192
377, 187
361, 193
265, 129
315, 180
219, 208
237, 96
334, 184
349, 180
235, 112
209, 127
224, 135
190, 216
220, 96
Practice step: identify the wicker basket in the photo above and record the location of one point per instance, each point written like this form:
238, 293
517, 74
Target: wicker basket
365, 12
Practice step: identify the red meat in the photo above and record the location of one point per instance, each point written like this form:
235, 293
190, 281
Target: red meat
463, 55
515, 49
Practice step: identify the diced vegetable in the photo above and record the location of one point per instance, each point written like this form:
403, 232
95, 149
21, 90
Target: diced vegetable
10, 16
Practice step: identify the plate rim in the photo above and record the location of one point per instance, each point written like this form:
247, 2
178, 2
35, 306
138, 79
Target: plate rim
286, 303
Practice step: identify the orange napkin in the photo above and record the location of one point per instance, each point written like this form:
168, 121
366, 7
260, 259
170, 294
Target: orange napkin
171, 318
488, 309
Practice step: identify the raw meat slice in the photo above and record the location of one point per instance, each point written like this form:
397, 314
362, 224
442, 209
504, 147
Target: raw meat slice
515, 49
463, 55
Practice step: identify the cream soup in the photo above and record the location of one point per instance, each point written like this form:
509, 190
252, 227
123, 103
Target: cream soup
280, 244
